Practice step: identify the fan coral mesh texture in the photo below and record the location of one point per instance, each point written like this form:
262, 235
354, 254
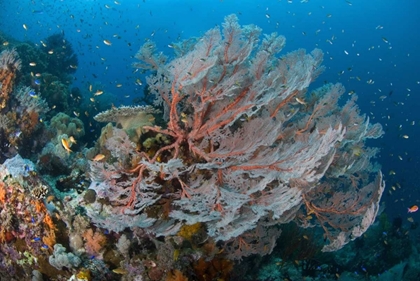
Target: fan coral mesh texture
248, 148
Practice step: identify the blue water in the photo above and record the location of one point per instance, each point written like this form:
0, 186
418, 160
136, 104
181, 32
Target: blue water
372, 47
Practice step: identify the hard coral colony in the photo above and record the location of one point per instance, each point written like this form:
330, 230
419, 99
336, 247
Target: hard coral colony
242, 148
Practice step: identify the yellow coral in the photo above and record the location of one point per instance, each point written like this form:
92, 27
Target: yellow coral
357, 151
188, 231
84, 274
28, 259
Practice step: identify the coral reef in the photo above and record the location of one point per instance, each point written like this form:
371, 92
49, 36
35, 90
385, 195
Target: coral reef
10, 64
61, 58
33, 61
380, 254
56, 92
28, 230
46, 69
234, 156
22, 111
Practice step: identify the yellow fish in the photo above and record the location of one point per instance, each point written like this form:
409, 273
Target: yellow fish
120, 270
66, 145
98, 157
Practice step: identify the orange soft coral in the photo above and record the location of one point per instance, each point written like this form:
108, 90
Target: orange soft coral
49, 221
49, 239
94, 241
3, 193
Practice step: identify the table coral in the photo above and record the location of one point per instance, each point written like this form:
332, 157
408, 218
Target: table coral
129, 118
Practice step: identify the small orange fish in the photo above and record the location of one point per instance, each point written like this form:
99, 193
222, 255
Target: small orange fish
66, 145
98, 157
413, 209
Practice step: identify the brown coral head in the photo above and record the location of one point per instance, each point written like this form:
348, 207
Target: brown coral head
155, 274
